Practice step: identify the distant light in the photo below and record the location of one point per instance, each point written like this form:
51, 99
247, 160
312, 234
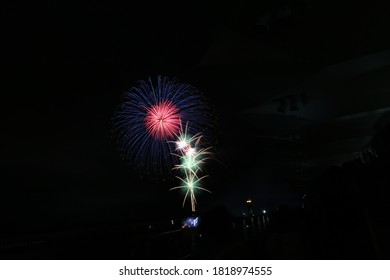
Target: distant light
172, 222
264, 211
243, 214
150, 226
249, 201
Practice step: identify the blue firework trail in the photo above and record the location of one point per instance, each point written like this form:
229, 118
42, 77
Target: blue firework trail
149, 145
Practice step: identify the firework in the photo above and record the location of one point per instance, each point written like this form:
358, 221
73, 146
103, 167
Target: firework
190, 183
162, 120
150, 117
191, 158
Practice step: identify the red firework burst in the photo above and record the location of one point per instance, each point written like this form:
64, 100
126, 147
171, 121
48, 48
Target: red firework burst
163, 120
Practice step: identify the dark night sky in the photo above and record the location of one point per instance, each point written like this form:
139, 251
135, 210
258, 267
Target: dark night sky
67, 65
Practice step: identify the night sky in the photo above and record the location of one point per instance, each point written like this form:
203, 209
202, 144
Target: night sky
67, 64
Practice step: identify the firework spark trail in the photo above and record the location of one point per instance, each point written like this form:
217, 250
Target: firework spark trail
191, 159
